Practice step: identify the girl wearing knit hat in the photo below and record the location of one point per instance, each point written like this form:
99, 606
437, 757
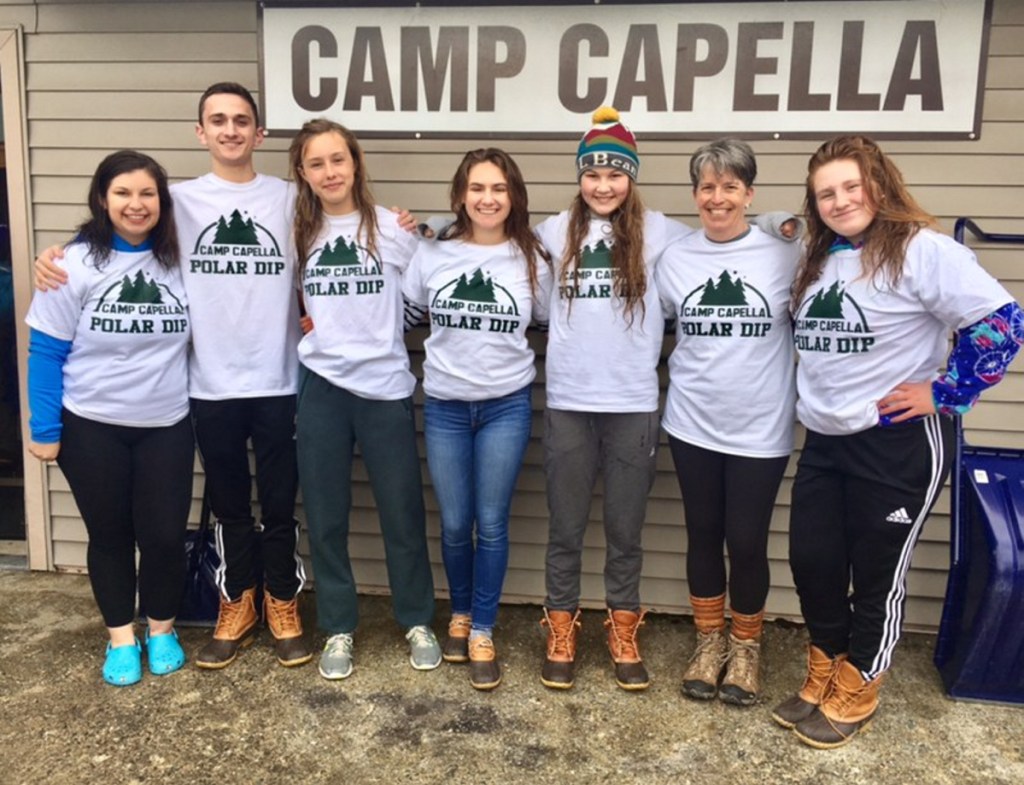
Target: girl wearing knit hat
606, 332
605, 337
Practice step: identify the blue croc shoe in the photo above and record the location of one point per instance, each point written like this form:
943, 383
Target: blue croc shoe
164, 653
123, 665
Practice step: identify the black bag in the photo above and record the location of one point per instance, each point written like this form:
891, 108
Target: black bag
200, 597
200, 600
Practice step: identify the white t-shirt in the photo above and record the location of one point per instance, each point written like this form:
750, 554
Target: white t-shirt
480, 305
129, 330
859, 338
355, 301
596, 360
240, 277
732, 382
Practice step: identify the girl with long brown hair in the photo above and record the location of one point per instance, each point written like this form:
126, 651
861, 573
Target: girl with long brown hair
483, 282
602, 392
876, 297
355, 387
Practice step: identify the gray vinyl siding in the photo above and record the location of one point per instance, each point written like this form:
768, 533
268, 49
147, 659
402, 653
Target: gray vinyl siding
106, 75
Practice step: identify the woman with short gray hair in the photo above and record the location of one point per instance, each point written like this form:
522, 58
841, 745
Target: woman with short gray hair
730, 411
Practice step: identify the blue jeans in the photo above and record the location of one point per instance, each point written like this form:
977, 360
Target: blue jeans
474, 451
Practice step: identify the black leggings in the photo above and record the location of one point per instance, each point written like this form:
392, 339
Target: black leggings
133, 486
728, 499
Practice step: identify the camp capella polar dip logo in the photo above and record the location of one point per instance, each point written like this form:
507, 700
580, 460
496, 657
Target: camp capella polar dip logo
830, 320
595, 276
138, 305
476, 302
336, 269
236, 245
726, 306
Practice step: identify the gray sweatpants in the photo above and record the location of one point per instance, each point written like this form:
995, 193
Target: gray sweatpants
576, 446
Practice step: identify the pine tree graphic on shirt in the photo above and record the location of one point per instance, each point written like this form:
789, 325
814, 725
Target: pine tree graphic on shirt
483, 294
139, 291
236, 230
827, 304
597, 256
233, 230
340, 254
728, 291
477, 289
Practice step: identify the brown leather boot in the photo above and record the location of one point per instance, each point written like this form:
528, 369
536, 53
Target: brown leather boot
456, 645
846, 710
622, 626
820, 669
286, 626
484, 668
236, 627
560, 663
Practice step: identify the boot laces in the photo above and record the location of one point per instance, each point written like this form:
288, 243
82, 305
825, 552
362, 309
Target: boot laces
230, 616
481, 648
624, 635
840, 698
709, 645
819, 674
743, 656
283, 616
561, 636
459, 626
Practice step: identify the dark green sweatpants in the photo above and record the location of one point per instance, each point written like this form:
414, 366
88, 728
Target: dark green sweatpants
330, 422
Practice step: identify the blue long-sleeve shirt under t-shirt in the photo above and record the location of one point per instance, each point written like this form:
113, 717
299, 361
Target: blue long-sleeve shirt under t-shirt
46, 358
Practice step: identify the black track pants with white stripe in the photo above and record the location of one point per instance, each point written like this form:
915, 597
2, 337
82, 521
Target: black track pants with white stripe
859, 503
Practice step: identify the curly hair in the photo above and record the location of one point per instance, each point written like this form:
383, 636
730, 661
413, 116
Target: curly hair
309, 213
898, 216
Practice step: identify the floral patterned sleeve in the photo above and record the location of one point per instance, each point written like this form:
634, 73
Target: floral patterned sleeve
980, 357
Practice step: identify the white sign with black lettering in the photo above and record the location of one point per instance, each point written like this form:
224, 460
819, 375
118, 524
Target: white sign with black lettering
674, 69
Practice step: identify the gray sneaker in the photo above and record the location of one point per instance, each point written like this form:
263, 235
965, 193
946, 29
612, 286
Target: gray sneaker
336, 659
424, 650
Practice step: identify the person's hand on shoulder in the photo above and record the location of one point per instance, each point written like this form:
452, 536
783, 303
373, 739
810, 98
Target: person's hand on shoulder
47, 274
406, 220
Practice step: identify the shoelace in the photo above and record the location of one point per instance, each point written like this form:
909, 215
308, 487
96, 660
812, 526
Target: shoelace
459, 626
282, 615
561, 642
820, 673
839, 698
625, 636
481, 648
228, 616
706, 645
420, 636
743, 657
340, 644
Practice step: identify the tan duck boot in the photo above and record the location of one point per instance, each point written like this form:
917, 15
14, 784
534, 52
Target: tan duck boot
622, 626
286, 626
847, 709
236, 627
559, 667
820, 669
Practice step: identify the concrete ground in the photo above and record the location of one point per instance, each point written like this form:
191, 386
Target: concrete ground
256, 722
